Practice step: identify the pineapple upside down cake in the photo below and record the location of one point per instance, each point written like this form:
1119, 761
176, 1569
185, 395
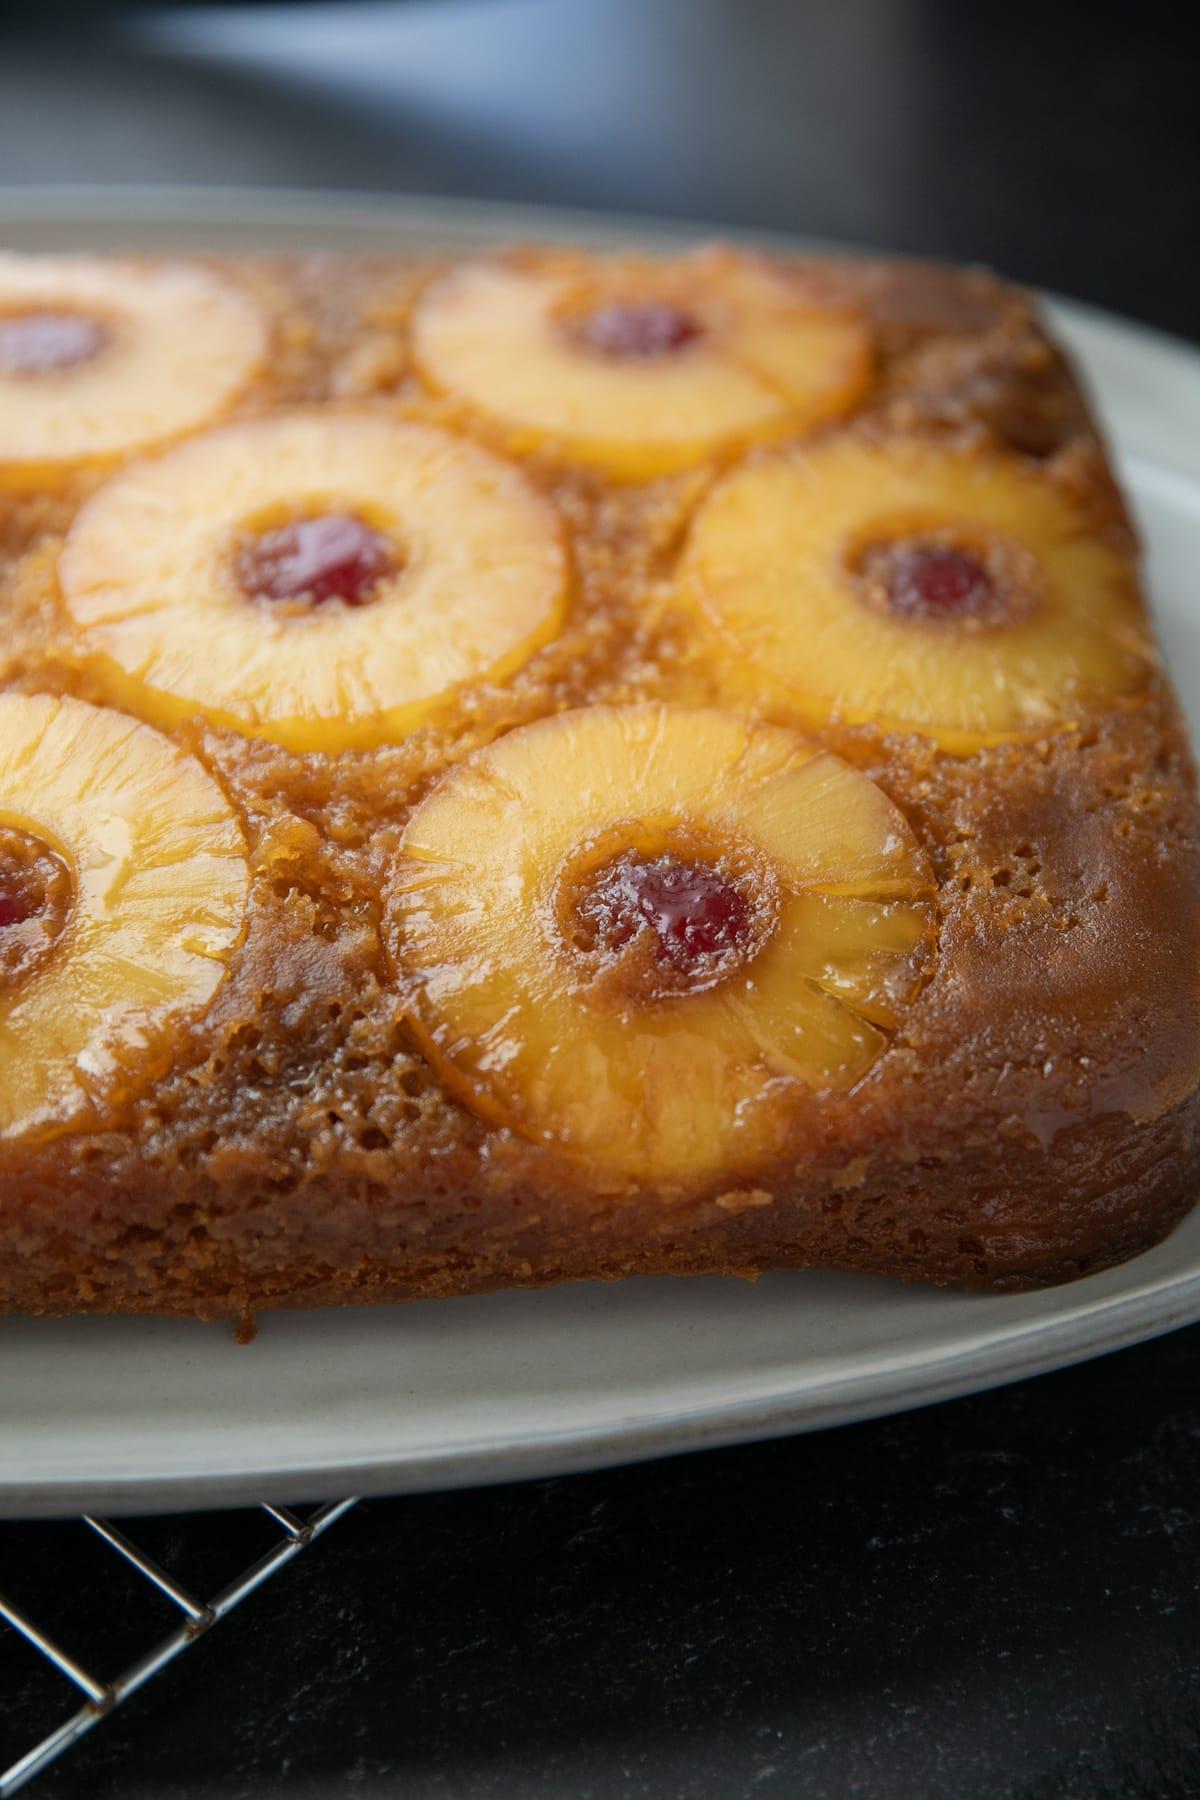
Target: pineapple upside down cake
551, 766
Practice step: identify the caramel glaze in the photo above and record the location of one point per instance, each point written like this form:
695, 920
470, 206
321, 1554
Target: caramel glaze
1034, 1118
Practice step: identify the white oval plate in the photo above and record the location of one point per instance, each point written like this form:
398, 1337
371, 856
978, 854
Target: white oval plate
129, 1414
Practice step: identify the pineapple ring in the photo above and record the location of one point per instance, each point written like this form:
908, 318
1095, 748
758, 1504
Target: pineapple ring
159, 881
672, 1088
148, 575
766, 565
757, 362
174, 347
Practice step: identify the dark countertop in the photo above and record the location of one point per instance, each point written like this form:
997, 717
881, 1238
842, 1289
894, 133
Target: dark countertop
998, 1597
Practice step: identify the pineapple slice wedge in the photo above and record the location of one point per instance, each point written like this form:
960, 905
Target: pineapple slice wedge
952, 594
635, 932
123, 884
638, 367
325, 578
99, 359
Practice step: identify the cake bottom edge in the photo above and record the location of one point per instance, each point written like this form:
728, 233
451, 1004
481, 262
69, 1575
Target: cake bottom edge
998, 1219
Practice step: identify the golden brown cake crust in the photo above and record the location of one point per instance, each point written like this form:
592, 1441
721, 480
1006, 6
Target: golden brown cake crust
1035, 1117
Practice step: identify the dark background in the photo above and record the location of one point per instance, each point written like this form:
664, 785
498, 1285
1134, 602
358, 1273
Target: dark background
995, 1598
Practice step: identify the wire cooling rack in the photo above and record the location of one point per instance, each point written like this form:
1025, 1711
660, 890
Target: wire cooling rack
292, 1534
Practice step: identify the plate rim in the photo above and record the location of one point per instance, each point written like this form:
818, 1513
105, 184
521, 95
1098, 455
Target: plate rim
1118, 1323
984, 1360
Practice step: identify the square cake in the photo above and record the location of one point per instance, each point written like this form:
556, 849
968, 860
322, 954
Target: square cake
552, 766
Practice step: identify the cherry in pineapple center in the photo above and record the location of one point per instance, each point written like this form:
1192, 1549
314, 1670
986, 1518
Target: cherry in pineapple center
332, 555
693, 910
941, 578
47, 342
667, 918
634, 330
36, 894
937, 581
